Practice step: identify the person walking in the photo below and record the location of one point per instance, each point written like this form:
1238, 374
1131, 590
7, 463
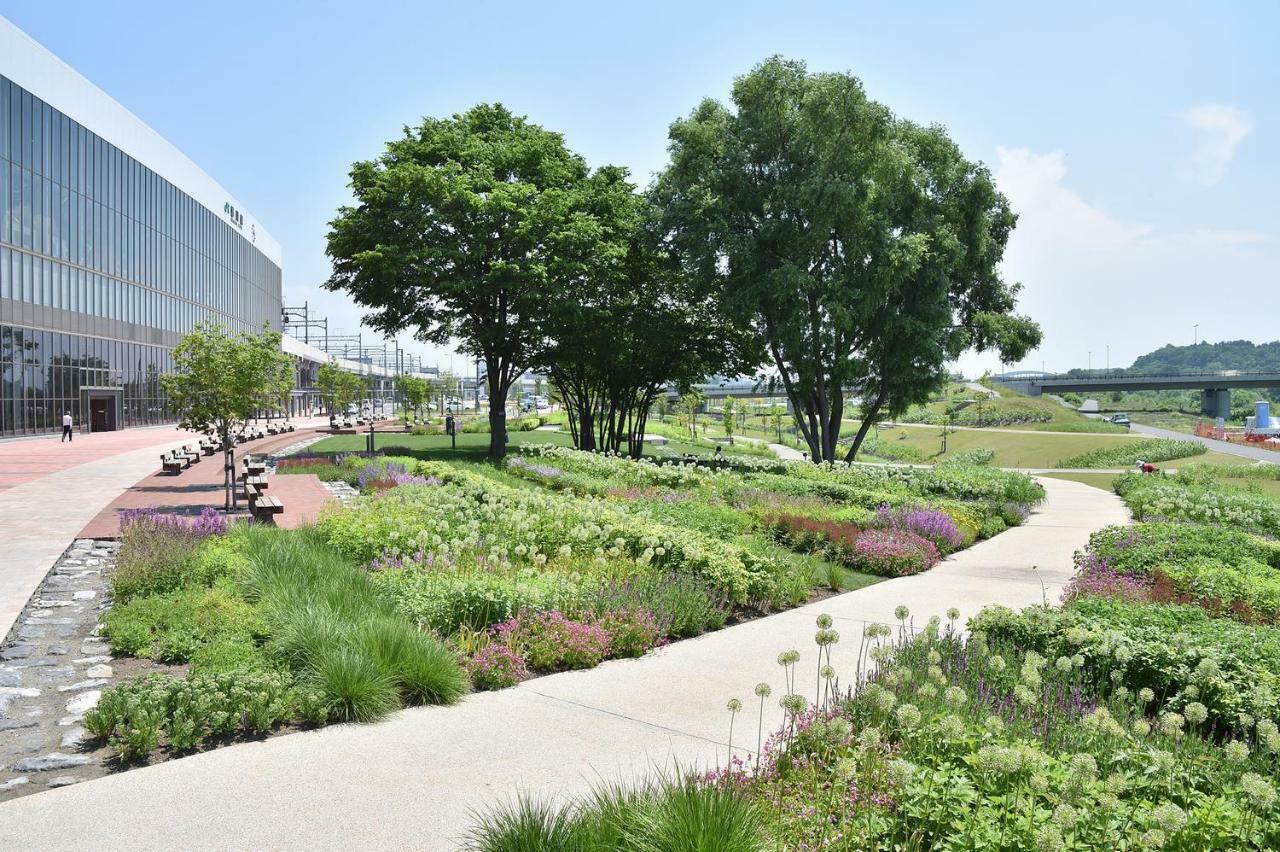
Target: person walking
66, 427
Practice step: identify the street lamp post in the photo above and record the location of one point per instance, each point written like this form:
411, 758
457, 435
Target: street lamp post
1195, 334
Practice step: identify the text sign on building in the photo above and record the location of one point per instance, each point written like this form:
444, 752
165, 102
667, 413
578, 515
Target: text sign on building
237, 218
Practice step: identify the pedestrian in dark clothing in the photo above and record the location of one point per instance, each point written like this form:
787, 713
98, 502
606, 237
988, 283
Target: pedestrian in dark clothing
66, 427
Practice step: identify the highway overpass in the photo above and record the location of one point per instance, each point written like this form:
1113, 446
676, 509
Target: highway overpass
1215, 388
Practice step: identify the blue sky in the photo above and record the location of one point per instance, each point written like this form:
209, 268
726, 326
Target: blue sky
1139, 142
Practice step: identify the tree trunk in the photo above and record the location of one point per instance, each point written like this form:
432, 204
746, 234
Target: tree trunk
868, 420
228, 470
497, 427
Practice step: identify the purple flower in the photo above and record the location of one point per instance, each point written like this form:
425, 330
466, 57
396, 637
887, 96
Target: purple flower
933, 524
209, 522
893, 553
542, 470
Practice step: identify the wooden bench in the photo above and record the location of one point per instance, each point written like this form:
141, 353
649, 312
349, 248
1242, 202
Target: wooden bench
173, 464
208, 447
192, 456
262, 508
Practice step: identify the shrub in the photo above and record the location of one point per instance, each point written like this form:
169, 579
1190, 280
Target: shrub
172, 627
892, 450
1129, 453
972, 456
156, 551
632, 632
932, 524
497, 666
992, 527
551, 642
892, 553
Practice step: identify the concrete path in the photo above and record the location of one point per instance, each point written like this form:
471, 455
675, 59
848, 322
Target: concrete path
414, 781
1213, 444
55, 490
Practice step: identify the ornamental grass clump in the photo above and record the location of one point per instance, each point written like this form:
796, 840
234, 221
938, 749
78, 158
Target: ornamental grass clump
892, 553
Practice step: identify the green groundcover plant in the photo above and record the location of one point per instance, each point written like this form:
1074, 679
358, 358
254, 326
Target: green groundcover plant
278, 627
949, 741
1129, 453
1200, 501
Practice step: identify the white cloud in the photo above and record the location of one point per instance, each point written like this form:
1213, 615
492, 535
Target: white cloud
1219, 130
1092, 280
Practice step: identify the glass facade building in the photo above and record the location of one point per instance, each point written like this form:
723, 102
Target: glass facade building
104, 265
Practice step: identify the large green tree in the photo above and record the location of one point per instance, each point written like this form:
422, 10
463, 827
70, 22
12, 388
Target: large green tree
220, 379
453, 234
414, 392
862, 249
634, 323
338, 387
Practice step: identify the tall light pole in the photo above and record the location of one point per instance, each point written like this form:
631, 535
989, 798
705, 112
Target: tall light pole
1090, 360
1195, 334
1108, 357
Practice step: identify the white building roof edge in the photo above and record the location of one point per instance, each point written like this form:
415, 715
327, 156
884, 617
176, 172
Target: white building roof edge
33, 67
299, 349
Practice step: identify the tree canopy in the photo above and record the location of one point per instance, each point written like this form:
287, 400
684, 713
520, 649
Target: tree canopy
860, 249
633, 324
338, 387
456, 234
221, 379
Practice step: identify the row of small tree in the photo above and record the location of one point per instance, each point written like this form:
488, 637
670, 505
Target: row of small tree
805, 230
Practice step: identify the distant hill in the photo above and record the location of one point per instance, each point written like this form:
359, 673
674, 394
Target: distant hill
1209, 357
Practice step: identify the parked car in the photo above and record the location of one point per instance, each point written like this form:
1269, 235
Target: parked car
1120, 419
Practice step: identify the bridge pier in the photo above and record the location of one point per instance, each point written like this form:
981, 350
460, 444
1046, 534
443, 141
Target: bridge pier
1216, 402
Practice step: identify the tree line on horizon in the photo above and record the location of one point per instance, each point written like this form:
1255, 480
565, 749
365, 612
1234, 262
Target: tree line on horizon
804, 229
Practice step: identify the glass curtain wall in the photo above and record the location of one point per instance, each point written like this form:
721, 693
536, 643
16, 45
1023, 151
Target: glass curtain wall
103, 266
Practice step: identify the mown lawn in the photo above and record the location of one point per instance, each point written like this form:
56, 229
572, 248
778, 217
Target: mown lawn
471, 446
1013, 449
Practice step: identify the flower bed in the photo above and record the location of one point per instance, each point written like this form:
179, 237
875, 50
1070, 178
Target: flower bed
994, 741
1224, 570
1129, 453
1155, 498
276, 627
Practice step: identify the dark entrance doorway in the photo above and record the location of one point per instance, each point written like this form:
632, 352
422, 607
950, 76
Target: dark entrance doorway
102, 413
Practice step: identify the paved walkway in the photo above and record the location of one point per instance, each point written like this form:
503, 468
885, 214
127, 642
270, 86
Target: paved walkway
1219, 446
413, 781
55, 490
199, 485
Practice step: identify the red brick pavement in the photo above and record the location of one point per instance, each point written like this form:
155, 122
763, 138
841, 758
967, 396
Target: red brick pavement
198, 486
303, 496
25, 459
